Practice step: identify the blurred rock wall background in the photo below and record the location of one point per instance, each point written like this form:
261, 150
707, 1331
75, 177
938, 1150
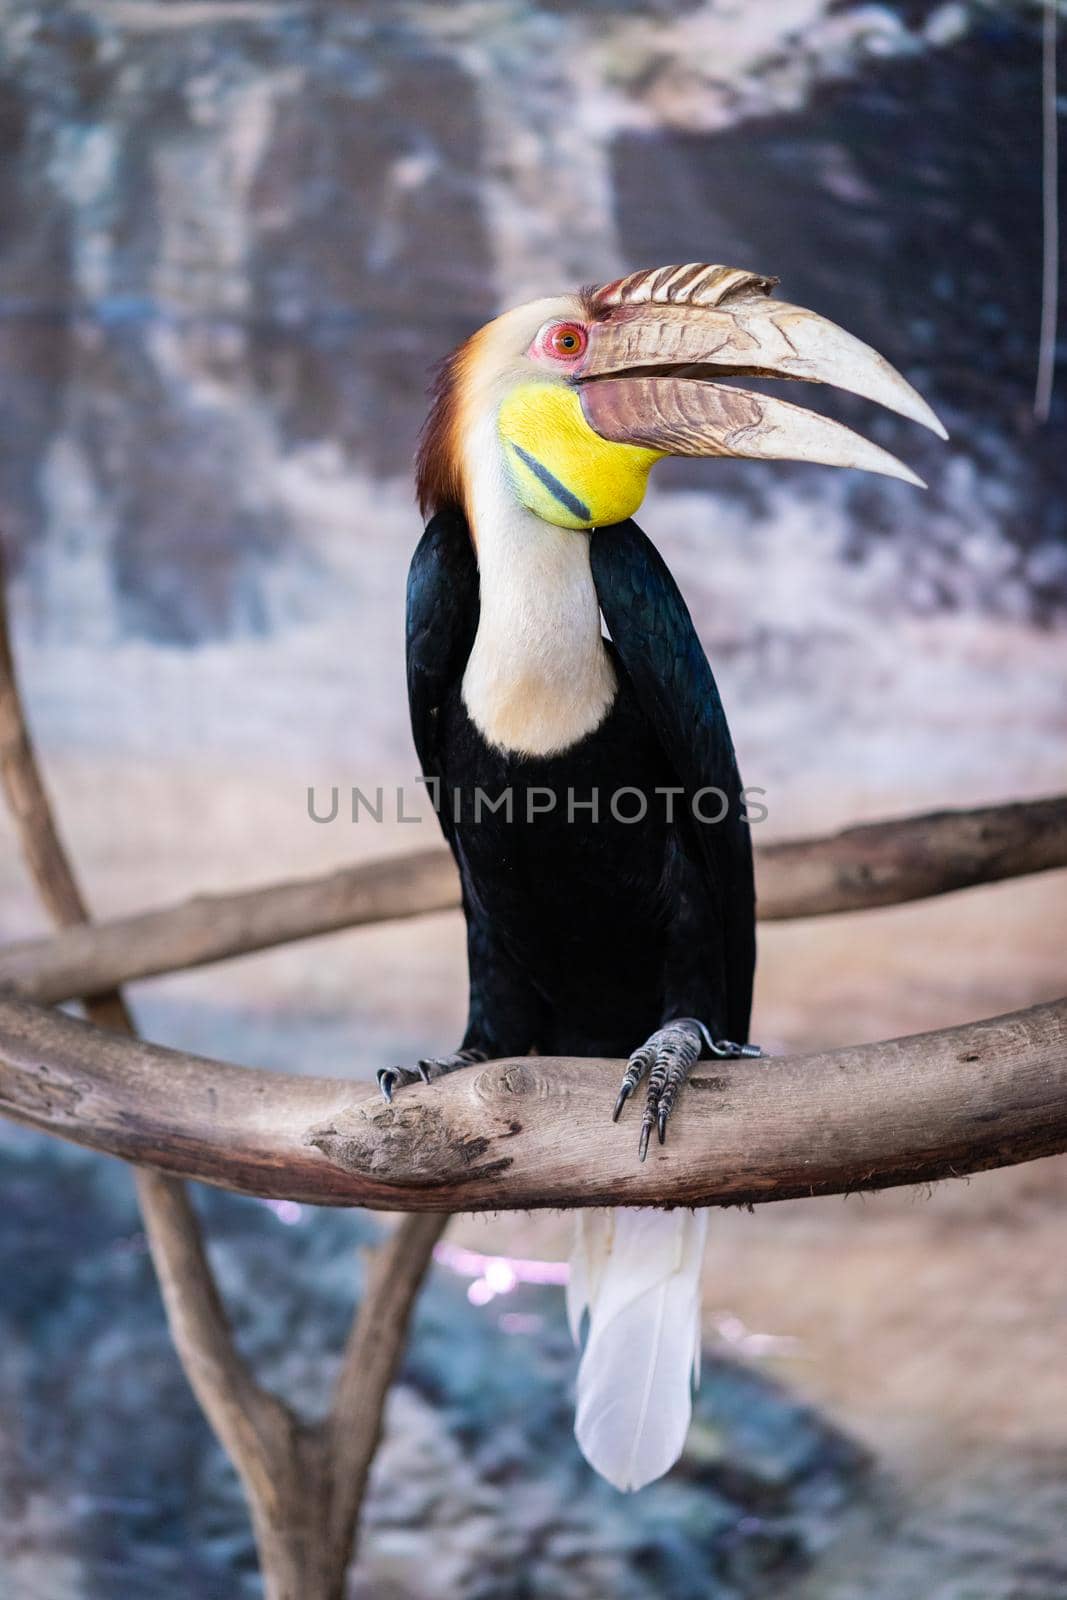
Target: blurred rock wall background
238, 233
234, 237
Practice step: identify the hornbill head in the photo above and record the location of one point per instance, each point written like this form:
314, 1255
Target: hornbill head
568, 402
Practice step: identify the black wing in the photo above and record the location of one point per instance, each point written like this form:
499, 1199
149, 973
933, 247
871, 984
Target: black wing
442, 619
658, 647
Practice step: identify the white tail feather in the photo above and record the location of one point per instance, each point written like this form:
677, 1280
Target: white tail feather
637, 1271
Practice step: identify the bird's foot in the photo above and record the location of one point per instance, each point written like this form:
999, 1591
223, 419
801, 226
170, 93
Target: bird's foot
667, 1057
390, 1078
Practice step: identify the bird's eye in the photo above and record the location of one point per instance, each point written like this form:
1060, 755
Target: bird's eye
563, 341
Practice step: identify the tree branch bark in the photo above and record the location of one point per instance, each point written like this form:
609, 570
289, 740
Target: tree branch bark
877, 864
372, 1355
240, 1413
536, 1131
304, 1508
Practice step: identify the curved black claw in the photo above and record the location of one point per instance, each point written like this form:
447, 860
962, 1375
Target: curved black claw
676, 1046
639, 1064
624, 1094
667, 1058
390, 1078
727, 1050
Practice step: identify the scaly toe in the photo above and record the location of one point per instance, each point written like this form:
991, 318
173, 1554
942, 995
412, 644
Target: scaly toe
392, 1078
636, 1068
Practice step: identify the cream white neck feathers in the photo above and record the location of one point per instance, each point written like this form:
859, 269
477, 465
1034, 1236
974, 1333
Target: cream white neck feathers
539, 678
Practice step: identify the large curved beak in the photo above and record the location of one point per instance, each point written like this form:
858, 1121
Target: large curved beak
660, 339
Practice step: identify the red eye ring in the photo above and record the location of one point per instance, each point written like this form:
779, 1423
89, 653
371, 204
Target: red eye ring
563, 341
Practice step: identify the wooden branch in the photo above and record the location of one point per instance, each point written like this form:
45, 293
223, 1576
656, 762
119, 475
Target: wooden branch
536, 1131
304, 1483
250, 1424
28, 802
372, 1355
877, 864
217, 927
911, 858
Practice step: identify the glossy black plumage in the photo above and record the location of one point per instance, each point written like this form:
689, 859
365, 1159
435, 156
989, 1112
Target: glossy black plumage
585, 935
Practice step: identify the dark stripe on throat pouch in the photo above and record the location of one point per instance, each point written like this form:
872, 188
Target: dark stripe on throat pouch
559, 491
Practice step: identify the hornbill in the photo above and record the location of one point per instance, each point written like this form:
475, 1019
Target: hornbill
587, 784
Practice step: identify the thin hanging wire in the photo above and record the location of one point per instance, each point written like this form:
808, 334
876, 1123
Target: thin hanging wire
1050, 257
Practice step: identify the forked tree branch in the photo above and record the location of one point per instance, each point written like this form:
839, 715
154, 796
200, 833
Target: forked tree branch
877, 864
535, 1131
304, 1483
354, 1423
239, 1412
